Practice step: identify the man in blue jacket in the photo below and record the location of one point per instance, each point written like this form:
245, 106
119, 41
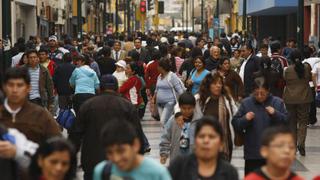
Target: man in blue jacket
256, 113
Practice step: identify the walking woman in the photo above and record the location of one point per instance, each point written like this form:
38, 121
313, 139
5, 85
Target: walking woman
206, 161
232, 79
256, 113
197, 75
54, 160
169, 87
297, 97
85, 82
131, 89
214, 100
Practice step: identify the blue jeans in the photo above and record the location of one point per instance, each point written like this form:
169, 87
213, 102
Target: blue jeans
165, 111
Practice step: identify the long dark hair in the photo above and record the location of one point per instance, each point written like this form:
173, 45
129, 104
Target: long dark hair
55, 144
204, 90
296, 58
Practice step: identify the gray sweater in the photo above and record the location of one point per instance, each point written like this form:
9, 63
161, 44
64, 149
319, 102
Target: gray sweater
169, 143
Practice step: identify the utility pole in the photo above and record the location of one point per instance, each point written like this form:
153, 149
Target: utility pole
79, 18
117, 15
300, 31
6, 36
128, 16
244, 16
104, 17
187, 15
192, 8
202, 9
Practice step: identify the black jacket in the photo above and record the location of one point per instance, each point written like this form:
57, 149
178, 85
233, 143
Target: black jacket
252, 67
9, 170
61, 78
211, 64
94, 113
186, 168
145, 55
107, 65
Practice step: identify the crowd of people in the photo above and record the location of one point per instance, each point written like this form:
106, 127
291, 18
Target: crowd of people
210, 95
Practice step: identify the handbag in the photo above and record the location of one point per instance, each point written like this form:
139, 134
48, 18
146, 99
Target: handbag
239, 138
66, 118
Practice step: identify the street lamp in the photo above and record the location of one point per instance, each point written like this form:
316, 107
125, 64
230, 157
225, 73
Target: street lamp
202, 9
79, 18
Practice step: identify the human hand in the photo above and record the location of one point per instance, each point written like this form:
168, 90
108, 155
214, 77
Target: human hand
250, 116
180, 121
270, 110
163, 159
7, 150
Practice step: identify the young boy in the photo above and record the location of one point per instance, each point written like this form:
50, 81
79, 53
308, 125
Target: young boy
176, 140
122, 146
279, 149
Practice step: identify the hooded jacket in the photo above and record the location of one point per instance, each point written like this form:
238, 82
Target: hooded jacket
85, 80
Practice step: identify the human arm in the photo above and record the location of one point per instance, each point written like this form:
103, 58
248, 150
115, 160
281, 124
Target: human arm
73, 77
240, 121
278, 113
126, 86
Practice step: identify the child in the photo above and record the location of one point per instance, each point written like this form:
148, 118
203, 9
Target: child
120, 73
176, 140
279, 149
122, 146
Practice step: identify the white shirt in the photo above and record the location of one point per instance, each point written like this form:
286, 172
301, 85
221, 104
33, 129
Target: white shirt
313, 62
242, 68
115, 55
121, 77
16, 59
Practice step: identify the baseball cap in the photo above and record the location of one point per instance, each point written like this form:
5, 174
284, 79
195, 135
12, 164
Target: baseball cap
53, 38
121, 63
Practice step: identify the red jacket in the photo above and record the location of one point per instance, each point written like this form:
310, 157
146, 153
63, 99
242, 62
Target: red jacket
131, 90
259, 175
151, 74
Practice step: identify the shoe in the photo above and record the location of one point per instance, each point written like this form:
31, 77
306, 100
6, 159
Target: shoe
302, 151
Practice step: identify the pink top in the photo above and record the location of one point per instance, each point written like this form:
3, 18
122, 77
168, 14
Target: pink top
179, 62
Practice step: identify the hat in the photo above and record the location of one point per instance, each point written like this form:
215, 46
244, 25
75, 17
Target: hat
121, 63
53, 38
109, 82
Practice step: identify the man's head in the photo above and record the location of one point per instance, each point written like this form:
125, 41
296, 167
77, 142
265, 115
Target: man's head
187, 103
109, 83
200, 43
121, 143
16, 84
215, 52
117, 46
246, 50
53, 41
43, 54
278, 147
137, 43
264, 50
33, 59
275, 47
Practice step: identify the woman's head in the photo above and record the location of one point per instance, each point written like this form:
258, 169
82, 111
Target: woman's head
261, 89
224, 64
54, 159
296, 59
208, 138
212, 85
164, 65
67, 58
82, 60
132, 68
199, 63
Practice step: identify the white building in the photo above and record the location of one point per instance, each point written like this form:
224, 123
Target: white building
23, 19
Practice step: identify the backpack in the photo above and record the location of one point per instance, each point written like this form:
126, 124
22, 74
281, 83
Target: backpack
66, 118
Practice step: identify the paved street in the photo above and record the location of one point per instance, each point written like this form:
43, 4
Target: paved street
307, 166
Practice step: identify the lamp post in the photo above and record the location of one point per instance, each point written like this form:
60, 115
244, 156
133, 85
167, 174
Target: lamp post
202, 9
128, 16
244, 16
79, 19
117, 12
300, 31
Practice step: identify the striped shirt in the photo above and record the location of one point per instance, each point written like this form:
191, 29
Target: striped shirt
35, 77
